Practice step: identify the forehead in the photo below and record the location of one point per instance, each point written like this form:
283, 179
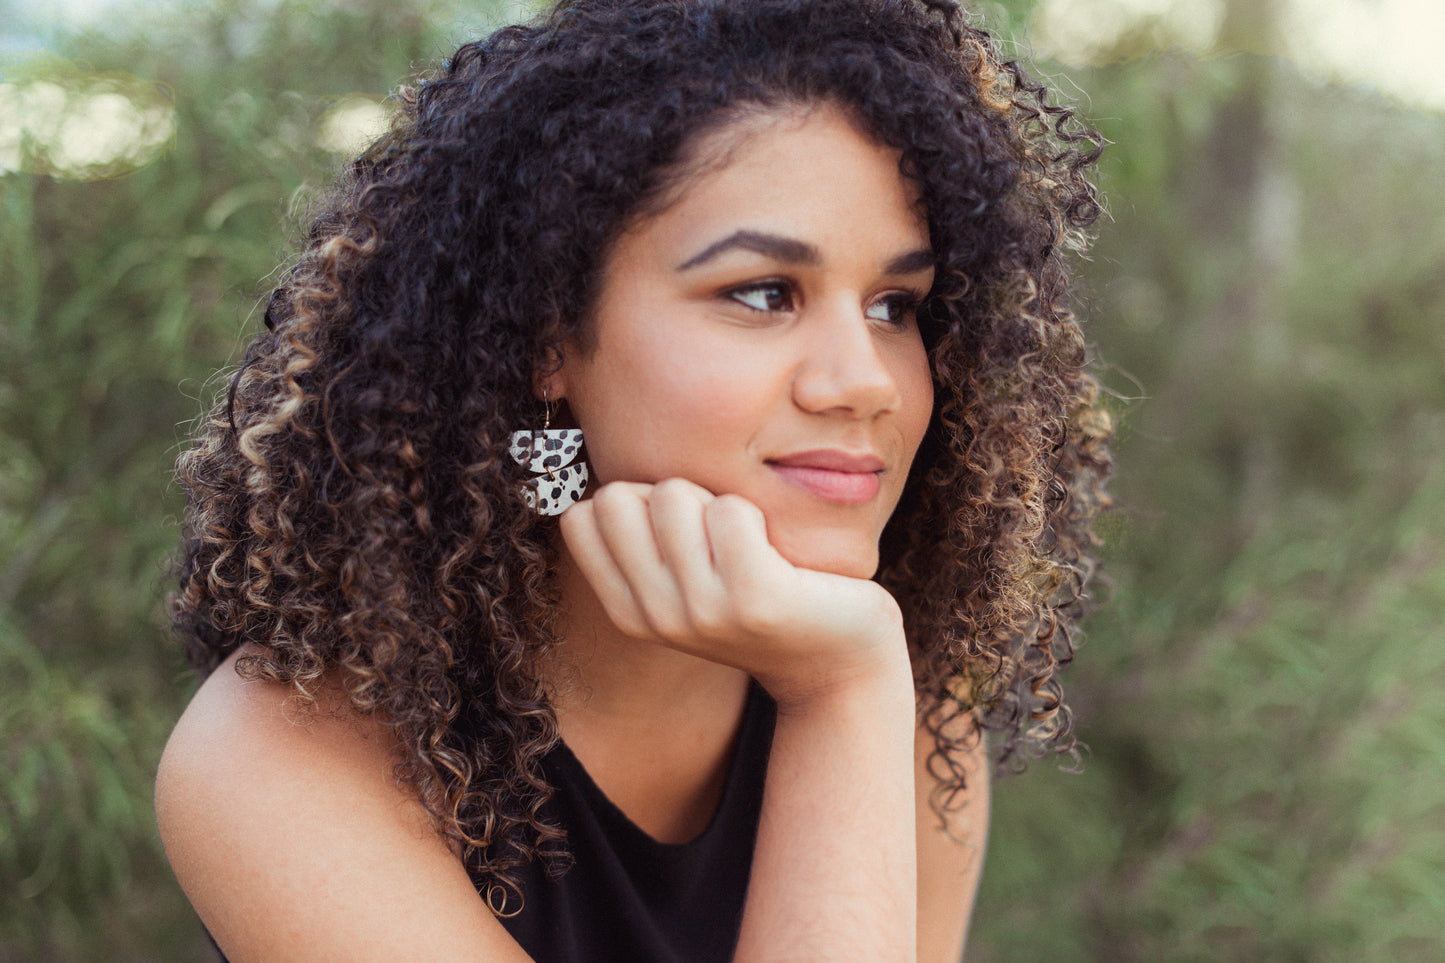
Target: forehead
797, 171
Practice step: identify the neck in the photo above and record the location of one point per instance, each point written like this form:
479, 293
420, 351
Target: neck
653, 727
600, 671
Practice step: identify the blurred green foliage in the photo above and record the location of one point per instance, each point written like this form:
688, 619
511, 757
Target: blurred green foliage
1266, 780
119, 299
1259, 692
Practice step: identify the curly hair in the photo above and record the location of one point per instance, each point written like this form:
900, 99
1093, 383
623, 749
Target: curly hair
352, 509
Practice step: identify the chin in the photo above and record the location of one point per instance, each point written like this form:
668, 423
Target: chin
833, 552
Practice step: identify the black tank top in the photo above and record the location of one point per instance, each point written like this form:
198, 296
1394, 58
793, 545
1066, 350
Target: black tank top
629, 897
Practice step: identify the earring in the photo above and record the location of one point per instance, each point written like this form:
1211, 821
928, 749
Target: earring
549, 453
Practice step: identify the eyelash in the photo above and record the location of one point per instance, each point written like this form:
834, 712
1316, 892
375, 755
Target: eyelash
904, 303
781, 286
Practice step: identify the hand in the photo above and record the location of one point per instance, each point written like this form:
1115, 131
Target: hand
675, 564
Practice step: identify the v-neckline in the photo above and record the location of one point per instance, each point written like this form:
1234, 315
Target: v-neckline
619, 821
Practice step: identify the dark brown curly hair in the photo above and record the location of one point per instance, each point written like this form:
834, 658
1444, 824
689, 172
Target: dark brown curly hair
352, 506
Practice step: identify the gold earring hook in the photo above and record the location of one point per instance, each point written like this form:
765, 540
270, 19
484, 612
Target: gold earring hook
547, 424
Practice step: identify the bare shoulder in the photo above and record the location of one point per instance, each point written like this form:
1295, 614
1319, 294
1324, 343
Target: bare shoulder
291, 838
950, 848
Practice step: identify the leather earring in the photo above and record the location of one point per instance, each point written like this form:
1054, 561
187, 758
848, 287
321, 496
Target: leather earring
549, 454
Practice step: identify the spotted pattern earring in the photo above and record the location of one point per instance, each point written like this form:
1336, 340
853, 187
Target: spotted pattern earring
549, 454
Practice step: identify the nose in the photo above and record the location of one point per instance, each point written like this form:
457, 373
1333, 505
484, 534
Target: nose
845, 367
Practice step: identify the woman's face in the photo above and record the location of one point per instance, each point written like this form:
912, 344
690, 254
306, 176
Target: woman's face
757, 337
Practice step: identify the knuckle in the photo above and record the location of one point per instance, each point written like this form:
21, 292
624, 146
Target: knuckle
677, 494
732, 510
667, 496
614, 502
731, 503
671, 487
608, 497
575, 521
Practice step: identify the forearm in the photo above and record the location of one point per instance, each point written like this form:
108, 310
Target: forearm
834, 869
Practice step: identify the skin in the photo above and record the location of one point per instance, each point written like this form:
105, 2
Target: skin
749, 326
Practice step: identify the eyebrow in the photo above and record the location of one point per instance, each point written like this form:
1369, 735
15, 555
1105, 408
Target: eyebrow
792, 251
779, 248
914, 262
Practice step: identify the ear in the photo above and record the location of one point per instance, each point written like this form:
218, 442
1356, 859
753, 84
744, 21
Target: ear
552, 387
549, 376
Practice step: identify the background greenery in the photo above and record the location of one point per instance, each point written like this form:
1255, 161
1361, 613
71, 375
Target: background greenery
1267, 778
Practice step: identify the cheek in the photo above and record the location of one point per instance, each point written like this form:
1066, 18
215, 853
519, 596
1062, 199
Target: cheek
916, 388
712, 411
666, 413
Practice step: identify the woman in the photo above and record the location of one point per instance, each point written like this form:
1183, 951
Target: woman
794, 271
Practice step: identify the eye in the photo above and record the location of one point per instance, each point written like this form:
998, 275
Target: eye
764, 296
896, 309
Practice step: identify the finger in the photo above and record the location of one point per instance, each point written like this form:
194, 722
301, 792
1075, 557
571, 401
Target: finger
746, 562
678, 523
589, 551
624, 520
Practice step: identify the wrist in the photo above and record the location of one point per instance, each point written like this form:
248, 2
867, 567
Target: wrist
880, 680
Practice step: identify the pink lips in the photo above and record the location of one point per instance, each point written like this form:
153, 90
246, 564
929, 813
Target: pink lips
838, 476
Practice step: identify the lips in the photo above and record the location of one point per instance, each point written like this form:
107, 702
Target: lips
838, 476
